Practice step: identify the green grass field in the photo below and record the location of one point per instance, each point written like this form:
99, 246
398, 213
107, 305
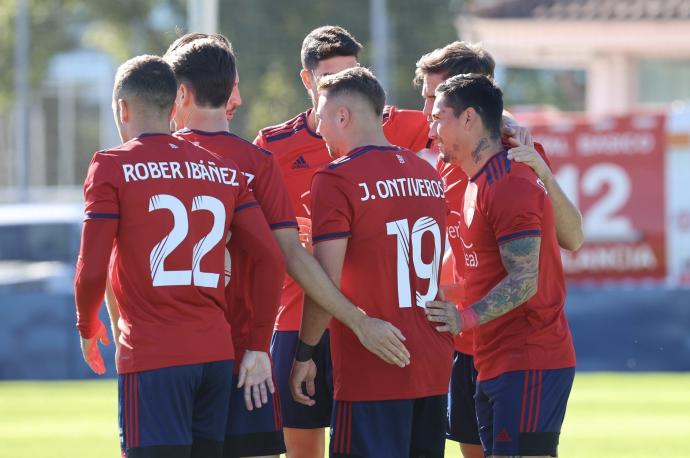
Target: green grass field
609, 415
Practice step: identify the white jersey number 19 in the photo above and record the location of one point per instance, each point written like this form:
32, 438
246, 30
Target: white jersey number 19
429, 271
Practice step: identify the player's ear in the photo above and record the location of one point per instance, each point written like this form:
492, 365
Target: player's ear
469, 118
123, 111
343, 115
306, 77
182, 96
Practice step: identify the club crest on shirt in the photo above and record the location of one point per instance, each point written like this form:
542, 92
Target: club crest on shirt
470, 203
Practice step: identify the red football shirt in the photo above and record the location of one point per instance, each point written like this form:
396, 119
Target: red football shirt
300, 153
455, 180
502, 202
390, 205
263, 176
170, 204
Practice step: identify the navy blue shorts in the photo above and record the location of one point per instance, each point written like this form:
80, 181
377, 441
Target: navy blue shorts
521, 412
175, 411
296, 415
462, 415
257, 432
412, 428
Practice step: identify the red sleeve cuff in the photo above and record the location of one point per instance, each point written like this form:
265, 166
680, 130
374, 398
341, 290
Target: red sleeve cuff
260, 338
89, 330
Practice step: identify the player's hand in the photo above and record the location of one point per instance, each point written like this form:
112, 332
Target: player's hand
513, 134
446, 313
303, 373
256, 376
91, 351
529, 156
384, 340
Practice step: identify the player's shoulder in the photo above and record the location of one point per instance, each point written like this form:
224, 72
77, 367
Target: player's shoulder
502, 177
345, 163
395, 115
284, 130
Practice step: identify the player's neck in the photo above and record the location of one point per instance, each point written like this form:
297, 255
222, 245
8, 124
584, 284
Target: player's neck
484, 148
311, 120
207, 120
365, 137
135, 130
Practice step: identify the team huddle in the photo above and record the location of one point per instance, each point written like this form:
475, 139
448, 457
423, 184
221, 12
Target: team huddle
262, 291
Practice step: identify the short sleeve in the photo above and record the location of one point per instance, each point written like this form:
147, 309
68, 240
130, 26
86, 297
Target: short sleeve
245, 197
270, 191
331, 208
101, 189
408, 129
516, 208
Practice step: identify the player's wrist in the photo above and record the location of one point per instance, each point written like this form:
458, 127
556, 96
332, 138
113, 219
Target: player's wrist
468, 319
304, 351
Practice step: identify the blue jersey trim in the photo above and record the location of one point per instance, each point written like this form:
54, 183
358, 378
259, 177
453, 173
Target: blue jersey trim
283, 224
103, 215
331, 236
517, 235
491, 165
359, 152
245, 206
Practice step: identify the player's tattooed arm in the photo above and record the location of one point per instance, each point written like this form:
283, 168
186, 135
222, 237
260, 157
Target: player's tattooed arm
521, 261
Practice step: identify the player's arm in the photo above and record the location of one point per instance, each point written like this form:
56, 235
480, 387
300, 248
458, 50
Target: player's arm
566, 215
89, 287
520, 259
114, 314
250, 230
98, 233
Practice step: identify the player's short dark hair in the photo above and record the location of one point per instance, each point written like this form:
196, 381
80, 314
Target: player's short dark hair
356, 80
479, 92
456, 58
326, 42
149, 79
189, 37
208, 67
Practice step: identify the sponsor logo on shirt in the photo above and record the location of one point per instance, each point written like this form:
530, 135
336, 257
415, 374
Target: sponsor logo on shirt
471, 257
300, 163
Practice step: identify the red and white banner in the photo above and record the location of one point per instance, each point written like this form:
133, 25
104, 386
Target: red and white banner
613, 170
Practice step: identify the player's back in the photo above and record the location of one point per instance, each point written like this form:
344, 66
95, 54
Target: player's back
263, 177
300, 152
176, 203
390, 204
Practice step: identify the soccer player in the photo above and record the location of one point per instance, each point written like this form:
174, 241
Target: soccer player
432, 69
515, 286
300, 151
205, 68
378, 215
163, 207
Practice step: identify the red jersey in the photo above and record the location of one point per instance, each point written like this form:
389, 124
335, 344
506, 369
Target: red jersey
300, 153
455, 180
502, 202
168, 205
390, 204
263, 177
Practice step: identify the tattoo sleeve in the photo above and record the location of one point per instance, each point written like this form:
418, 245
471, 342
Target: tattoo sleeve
521, 260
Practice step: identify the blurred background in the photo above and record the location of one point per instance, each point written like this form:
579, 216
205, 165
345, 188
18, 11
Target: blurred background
603, 84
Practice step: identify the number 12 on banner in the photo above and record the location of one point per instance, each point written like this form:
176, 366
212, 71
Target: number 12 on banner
410, 245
